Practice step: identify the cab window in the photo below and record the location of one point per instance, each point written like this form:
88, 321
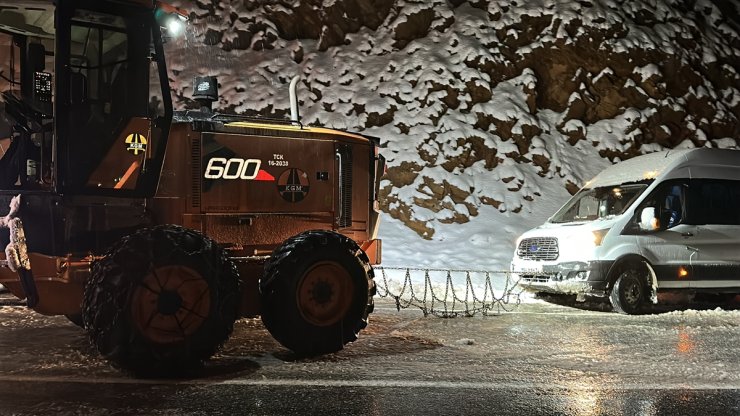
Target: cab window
26, 87
109, 100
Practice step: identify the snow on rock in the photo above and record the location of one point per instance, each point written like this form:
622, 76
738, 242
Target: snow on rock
491, 113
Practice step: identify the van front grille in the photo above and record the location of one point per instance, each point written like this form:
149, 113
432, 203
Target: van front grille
538, 248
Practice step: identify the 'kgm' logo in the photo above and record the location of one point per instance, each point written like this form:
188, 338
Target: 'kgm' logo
236, 168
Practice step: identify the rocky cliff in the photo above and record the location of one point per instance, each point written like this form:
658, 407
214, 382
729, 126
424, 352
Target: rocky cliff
480, 102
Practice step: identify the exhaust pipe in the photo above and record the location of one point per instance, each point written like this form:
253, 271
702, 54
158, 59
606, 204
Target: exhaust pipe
205, 92
294, 99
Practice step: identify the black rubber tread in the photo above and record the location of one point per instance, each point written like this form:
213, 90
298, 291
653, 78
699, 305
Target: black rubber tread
629, 274
279, 284
106, 303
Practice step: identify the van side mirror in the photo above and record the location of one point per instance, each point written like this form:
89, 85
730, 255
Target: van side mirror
648, 221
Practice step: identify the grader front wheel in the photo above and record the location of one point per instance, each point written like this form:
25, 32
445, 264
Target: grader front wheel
317, 292
161, 301
170, 304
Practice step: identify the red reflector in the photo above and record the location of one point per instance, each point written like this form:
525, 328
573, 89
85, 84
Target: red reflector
262, 175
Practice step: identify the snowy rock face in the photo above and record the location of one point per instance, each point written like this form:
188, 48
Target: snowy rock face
484, 102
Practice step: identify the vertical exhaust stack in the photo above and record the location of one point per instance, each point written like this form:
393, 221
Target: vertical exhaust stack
294, 116
205, 92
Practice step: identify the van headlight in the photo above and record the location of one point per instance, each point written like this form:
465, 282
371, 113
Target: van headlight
591, 238
599, 236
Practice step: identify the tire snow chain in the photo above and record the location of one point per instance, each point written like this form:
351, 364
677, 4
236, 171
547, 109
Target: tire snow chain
450, 303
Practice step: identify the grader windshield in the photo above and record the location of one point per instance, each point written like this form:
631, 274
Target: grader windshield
86, 102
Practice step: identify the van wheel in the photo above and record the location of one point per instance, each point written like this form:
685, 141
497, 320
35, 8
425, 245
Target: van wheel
629, 292
161, 301
317, 292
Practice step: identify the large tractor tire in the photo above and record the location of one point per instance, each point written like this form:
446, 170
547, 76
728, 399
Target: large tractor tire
629, 293
317, 292
161, 301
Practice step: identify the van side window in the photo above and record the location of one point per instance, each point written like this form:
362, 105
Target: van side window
714, 201
673, 206
669, 203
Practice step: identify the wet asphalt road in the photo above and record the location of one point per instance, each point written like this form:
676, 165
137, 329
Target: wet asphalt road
541, 359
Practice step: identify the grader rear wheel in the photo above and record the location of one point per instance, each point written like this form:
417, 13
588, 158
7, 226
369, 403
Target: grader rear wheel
161, 301
317, 292
324, 294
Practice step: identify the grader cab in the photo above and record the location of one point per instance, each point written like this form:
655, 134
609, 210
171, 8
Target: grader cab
155, 229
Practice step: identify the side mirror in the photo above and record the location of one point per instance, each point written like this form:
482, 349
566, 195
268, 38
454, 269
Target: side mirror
648, 221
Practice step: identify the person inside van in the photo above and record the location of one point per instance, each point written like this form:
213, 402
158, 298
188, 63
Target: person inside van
673, 206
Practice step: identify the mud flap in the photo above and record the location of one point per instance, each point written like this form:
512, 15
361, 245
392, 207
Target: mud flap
29, 287
653, 286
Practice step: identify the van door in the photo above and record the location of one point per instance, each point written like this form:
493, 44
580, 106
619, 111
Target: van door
713, 205
672, 254
670, 248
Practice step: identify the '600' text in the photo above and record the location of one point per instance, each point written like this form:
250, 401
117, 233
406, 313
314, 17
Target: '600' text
234, 168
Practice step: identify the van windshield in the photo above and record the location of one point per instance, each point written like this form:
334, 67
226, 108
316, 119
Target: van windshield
591, 204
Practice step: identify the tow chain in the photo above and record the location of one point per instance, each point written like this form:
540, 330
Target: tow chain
451, 303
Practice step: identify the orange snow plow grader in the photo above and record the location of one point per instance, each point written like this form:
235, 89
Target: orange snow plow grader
154, 229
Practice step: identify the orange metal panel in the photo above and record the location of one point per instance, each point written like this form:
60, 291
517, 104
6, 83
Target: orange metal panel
171, 9
60, 283
284, 178
373, 249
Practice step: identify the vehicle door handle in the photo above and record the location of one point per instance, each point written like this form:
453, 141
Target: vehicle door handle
687, 234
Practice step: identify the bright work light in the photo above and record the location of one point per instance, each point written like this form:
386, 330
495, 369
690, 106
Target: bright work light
171, 19
176, 25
